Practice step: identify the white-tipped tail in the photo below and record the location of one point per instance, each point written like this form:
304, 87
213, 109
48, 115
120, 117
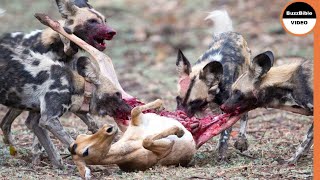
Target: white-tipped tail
222, 21
2, 11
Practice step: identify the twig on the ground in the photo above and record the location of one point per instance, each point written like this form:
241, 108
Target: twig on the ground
233, 169
245, 155
198, 177
23, 169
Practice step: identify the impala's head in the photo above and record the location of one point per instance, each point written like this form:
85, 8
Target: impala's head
85, 22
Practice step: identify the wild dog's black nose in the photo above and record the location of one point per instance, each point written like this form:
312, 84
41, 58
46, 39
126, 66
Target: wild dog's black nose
111, 33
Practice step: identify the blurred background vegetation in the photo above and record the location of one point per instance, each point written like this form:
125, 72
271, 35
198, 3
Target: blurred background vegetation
149, 34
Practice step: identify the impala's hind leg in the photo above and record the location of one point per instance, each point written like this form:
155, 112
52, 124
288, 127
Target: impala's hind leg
159, 144
135, 112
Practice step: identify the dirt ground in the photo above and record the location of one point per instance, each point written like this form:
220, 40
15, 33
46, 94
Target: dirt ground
144, 53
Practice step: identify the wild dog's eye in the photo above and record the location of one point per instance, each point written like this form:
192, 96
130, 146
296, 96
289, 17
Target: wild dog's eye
179, 100
239, 94
93, 21
197, 103
237, 91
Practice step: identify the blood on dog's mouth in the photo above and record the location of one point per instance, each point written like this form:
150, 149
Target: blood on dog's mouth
100, 36
99, 42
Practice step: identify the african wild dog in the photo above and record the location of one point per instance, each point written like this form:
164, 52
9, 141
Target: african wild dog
208, 82
48, 89
288, 87
79, 18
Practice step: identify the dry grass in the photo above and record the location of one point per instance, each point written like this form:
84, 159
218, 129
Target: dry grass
144, 52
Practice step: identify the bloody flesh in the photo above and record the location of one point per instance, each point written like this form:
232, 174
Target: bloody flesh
202, 129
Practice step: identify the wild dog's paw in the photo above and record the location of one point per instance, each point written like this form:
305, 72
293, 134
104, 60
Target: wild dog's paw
7, 139
223, 158
241, 144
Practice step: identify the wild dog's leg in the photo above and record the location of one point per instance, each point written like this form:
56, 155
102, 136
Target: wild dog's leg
242, 143
54, 126
52, 107
44, 138
160, 146
135, 112
304, 146
89, 121
6, 123
37, 149
223, 143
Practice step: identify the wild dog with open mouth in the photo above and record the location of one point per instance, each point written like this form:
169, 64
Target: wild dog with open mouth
150, 139
208, 82
79, 18
288, 87
50, 89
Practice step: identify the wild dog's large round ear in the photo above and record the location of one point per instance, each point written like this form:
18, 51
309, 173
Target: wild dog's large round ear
88, 70
261, 64
212, 73
82, 3
66, 8
183, 65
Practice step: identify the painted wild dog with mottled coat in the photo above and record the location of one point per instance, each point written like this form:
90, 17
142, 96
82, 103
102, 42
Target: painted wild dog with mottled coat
208, 82
288, 87
51, 90
79, 18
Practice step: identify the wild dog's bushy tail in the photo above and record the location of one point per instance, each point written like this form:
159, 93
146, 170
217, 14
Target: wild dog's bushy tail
222, 21
2, 11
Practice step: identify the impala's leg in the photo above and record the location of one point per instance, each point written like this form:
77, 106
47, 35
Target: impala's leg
159, 144
81, 166
135, 112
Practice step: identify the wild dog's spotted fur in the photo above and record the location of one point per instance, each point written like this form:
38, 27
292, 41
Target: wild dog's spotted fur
47, 44
50, 91
213, 74
288, 87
